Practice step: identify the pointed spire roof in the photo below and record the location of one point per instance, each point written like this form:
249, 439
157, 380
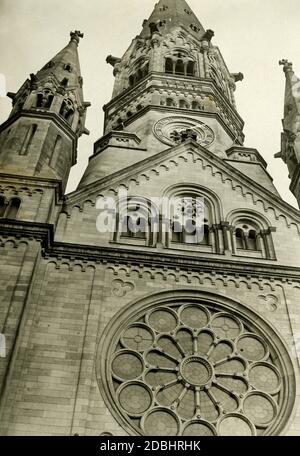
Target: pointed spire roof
175, 13
65, 65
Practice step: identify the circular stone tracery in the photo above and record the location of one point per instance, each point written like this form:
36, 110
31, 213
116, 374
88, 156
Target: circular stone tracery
168, 130
189, 369
196, 371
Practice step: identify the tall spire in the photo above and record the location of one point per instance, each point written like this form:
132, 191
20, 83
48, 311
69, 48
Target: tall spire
174, 13
47, 118
57, 87
171, 78
65, 65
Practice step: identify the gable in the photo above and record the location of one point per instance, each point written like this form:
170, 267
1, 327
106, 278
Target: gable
188, 166
199, 156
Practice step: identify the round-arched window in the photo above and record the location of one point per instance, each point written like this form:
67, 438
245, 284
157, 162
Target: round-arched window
196, 367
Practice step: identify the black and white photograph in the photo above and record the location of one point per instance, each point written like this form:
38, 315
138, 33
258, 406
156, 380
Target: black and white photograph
149, 221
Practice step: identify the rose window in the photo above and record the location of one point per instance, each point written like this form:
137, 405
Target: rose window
190, 369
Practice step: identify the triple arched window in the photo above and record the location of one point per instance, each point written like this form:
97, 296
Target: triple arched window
180, 64
188, 218
9, 208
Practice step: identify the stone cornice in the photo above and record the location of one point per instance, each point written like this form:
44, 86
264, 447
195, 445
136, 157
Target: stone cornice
36, 181
21, 229
181, 112
59, 121
162, 76
244, 150
147, 84
88, 253
106, 141
168, 260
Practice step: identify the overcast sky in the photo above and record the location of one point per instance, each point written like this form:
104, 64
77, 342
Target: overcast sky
252, 35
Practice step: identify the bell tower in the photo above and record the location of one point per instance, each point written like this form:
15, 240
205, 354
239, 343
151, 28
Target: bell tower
172, 78
39, 139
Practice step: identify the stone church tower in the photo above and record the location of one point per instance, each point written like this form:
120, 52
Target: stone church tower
120, 313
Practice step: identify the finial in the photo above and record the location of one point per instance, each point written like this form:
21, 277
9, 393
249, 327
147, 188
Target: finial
287, 66
75, 36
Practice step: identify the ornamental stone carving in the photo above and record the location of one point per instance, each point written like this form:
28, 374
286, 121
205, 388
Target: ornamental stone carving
168, 130
187, 367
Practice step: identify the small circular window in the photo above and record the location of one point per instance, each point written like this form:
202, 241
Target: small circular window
194, 367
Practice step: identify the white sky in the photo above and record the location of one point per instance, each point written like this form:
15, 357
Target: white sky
253, 35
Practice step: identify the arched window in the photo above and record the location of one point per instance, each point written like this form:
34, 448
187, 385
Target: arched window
252, 240
179, 68
39, 102
195, 106
183, 104
13, 208
2, 206
44, 99
134, 226
139, 73
251, 234
67, 110
239, 236
194, 215
170, 102
169, 65
137, 222
180, 63
246, 237
190, 70
189, 226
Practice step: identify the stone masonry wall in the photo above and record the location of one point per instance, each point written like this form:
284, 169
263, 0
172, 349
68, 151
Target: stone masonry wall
54, 389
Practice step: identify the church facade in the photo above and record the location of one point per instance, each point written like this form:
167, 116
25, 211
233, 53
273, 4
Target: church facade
160, 297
